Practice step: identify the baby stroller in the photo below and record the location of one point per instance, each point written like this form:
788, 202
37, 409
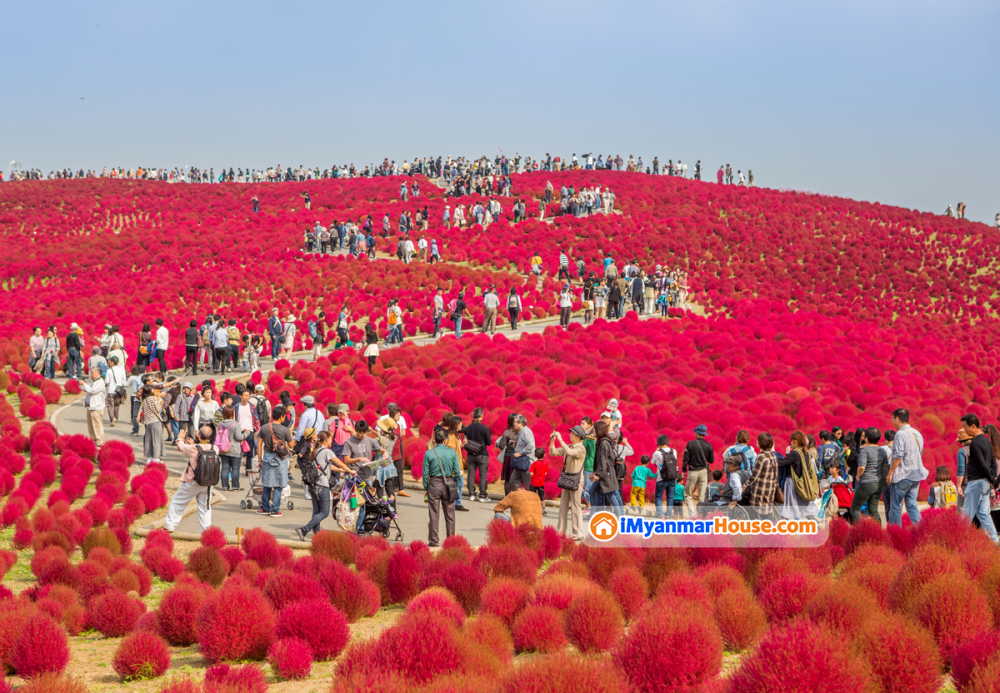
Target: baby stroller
836, 501
257, 489
380, 516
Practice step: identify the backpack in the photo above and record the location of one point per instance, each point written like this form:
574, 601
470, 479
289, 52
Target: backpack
668, 466
262, 413
222, 440
512, 301
312, 329
741, 456
946, 496
209, 469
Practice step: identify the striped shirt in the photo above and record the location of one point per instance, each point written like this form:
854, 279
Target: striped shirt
563, 260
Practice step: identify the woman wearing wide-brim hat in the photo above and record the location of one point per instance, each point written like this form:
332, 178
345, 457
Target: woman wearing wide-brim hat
288, 336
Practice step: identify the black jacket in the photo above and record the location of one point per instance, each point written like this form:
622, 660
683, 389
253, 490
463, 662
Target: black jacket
478, 433
604, 465
698, 454
982, 464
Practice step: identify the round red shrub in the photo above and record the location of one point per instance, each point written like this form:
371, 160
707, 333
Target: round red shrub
539, 629
318, 623
142, 655
235, 623
740, 618
594, 621
339, 546
938, 603
440, 601
798, 657
177, 614
786, 597
840, 610
504, 598
971, 654
350, 591
564, 673
208, 565
675, 650
248, 678
214, 537
169, 567
291, 658
630, 588
866, 531
39, 647
233, 555
282, 587
885, 642
466, 583
53, 683
402, 576
114, 614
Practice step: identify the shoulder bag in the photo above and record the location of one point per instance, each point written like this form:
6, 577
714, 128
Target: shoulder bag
449, 481
569, 481
278, 447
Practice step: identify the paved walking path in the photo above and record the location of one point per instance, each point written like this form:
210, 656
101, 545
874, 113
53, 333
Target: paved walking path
228, 515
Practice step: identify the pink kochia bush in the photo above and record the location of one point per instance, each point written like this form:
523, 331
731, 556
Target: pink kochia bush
539, 629
235, 623
40, 646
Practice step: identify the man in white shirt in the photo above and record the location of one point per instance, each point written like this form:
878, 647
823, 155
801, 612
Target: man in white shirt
438, 310
490, 303
422, 249
162, 342
95, 400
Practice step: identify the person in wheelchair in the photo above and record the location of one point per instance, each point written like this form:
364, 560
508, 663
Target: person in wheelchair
731, 492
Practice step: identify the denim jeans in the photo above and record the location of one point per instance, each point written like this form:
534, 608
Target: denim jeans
461, 483
668, 488
136, 405
275, 346
904, 492
175, 427
437, 325
230, 468
397, 334
321, 508
74, 364
270, 499
458, 327
49, 369
977, 504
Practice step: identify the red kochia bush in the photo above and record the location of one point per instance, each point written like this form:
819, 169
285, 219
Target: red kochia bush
971, 654
787, 596
593, 621
53, 683
291, 658
208, 565
539, 629
466, 583
739, 616
564, 673
39, 647
890, 639
504, 598
630, 588
798, 657
318, 623
141, 655
177, 614
337, 545
350, 591
439, 601
673, 650
214, 537
248, 678
235, 623
402, 576
113, 614
936, 607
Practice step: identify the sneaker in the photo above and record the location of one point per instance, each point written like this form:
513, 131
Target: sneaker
276, 513
461, 508
300, 534
261, 511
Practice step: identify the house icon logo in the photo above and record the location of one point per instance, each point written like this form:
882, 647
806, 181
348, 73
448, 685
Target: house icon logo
604, 526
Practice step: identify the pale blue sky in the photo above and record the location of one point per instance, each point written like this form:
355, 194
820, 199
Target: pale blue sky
889, 101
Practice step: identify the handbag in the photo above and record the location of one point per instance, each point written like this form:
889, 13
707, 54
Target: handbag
474, 447
569, 481
450, 482
279, 447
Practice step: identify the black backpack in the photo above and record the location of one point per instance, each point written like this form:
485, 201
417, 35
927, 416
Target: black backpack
208, 471
668, 465
741, 456
307, 462
262, 412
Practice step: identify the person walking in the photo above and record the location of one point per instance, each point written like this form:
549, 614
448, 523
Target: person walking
514, 307
162, 342
189, 489
570, 482
371, 346
698, 458
288, 337
524, 449
458, 310
134, 388
35, 344
326, 462
74, 351
117, 381
229, 439
490, 304
50, 353
274, 444
665, 459
154, 417
440, 462
94, 401
477, 449
980, 476
906, 470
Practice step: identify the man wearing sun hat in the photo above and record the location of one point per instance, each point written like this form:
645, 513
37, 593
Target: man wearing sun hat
698, 457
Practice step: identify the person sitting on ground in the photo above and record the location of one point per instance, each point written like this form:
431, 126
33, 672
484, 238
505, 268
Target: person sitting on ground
525, 508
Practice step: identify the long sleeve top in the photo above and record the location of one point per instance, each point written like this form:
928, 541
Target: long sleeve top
525, 444
604, 465
573, 455
444, 463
